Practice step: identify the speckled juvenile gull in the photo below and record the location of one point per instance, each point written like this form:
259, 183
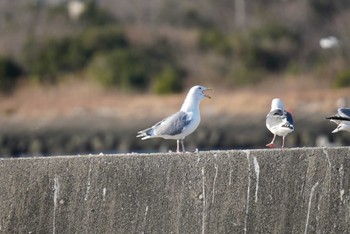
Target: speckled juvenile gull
180, 124
342, 119
279, 121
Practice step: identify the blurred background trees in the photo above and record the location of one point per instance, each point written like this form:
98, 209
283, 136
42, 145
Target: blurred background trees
152, 46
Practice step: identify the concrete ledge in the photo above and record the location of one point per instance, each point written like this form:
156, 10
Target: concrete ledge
304, 190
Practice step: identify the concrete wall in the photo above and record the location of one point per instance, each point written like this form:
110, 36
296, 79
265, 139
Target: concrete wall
303, 190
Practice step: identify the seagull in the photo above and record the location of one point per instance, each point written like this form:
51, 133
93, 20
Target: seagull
342, 119
279, 121
182, 123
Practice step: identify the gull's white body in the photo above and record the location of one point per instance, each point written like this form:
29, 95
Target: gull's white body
279, 121
180, 124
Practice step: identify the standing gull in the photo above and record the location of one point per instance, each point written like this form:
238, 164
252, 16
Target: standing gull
342, 119
182, 123
279, 121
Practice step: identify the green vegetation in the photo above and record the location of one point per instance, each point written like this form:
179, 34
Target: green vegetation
122, 68
342, 79
95, 16
108, 57
70, 54
270, 47
154, 48
9, 74
170, 80
250, 56
213, 39
189, 17
140, 68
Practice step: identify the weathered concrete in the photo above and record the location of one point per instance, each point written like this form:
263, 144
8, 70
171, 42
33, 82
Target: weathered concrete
303, 190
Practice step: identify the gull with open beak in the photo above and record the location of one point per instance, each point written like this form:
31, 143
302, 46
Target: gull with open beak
182, 123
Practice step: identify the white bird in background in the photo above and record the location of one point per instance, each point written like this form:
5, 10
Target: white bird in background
279, 121
182, 123
342, 119
329, 42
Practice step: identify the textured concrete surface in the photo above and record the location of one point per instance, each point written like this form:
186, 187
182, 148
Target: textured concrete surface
303, 190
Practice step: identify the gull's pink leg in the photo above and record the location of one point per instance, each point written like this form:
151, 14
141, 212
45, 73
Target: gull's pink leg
271, 144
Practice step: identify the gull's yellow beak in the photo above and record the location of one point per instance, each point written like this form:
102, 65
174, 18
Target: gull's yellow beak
206, 95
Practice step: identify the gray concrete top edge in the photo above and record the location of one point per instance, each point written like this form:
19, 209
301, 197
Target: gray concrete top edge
133, 154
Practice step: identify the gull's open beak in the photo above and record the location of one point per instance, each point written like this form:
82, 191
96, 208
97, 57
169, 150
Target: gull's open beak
206, 95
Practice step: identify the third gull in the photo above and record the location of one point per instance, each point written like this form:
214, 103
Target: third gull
342, 119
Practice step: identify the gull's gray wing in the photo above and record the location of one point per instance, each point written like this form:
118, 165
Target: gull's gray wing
279, 118
342, 115
275, 118
344, 112
173, 125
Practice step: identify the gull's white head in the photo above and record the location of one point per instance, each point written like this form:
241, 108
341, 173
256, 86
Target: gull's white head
194, 97
277, 104
197, 92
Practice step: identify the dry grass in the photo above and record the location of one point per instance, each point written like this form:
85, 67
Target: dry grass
83, 99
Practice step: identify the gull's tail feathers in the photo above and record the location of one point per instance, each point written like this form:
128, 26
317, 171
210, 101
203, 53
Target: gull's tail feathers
288, 125
335, 118
288, 122
146, 134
